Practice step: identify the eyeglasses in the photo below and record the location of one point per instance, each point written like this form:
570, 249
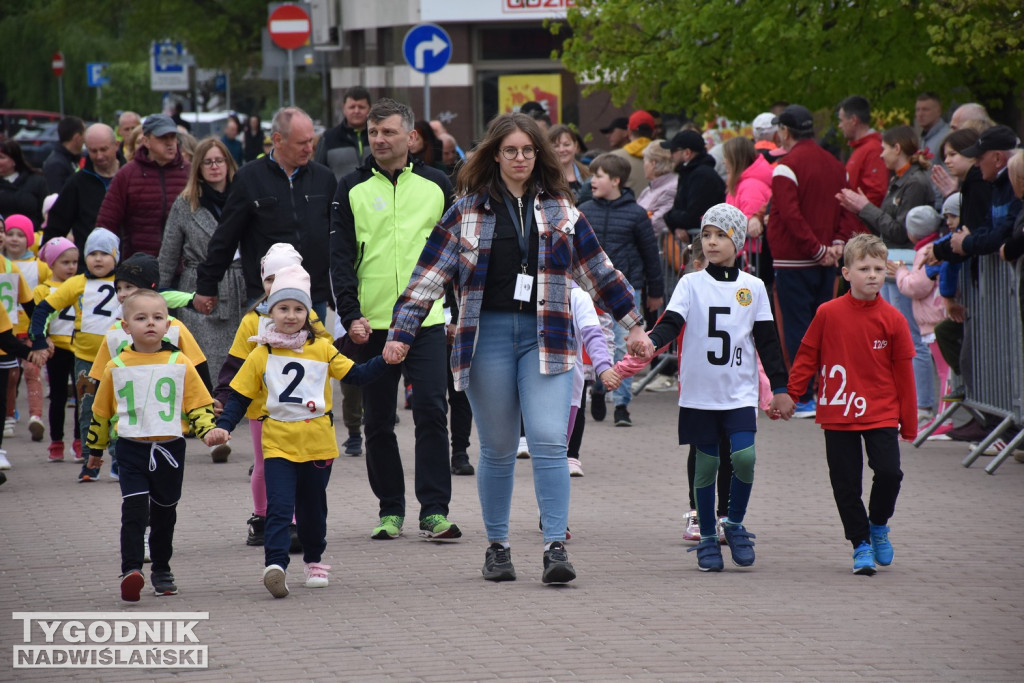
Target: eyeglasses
511, 153
210, 163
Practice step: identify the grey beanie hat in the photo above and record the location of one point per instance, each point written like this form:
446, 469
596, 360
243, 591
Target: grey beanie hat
730, 220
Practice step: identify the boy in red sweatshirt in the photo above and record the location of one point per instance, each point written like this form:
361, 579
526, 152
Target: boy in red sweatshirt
860, 348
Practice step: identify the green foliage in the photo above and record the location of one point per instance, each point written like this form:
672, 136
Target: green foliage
221, 34
735, 57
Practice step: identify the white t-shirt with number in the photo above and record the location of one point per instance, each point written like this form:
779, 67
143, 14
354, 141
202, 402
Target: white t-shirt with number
149, 398
718, 367
100, 308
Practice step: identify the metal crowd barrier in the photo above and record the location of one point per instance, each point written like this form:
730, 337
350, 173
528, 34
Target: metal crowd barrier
993, 306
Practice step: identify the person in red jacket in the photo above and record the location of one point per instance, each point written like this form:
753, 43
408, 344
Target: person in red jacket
806, 228
135, 207
865, 170
860, 349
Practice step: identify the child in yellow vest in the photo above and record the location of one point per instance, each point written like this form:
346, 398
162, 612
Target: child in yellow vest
17, 279
255, 323
142, 271
97, 308
148, 387
61, 257
290, 371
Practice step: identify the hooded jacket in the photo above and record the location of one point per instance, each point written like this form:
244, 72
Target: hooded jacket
139, 199
700, 187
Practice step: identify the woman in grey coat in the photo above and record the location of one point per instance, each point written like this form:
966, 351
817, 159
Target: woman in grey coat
190, 224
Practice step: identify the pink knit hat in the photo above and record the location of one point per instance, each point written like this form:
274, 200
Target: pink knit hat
52, 250
18, 221
278, 256
291, 282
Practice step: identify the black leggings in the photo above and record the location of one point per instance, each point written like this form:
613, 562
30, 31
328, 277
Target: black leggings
60, 370
724, 474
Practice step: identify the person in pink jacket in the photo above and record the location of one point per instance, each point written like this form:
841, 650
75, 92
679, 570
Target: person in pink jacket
748, 187
914, 282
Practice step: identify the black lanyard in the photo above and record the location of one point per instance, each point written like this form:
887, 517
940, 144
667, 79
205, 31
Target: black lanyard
523, 228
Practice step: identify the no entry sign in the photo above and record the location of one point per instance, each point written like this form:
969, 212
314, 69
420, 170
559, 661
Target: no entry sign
58, 64
289, 27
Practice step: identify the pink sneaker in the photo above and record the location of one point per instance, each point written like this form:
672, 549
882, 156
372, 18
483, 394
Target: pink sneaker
56, 451
316, 575
691, 529
76, 448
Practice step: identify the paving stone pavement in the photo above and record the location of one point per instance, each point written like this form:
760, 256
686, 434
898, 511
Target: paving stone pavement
949, 608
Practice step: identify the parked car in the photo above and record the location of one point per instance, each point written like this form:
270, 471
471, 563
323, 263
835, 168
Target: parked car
37, 141
13, 120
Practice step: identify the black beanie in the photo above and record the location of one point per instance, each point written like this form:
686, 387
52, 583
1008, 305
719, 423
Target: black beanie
141, 270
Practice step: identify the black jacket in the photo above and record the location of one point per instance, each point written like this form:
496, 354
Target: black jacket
58, 167
77, 206
25, 196
342, 149
265, 207
625, 233
700, 188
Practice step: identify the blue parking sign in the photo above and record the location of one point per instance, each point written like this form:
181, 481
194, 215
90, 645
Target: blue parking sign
97, 74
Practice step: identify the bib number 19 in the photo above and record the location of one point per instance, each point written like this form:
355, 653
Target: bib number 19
165, 392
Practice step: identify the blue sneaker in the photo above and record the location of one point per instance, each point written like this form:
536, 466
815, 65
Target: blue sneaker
864, 560
880, 544
740, 545
806, 408
709, 555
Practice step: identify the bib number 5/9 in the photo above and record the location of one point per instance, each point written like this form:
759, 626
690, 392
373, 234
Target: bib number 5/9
728, 356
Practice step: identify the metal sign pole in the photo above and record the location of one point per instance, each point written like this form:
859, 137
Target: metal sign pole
60, 91
291, 78
426, 96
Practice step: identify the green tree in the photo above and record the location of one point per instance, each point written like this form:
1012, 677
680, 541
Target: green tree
735, 57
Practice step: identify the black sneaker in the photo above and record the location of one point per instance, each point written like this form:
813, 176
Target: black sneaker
460, 464
557, 568
598, 408
89, 474
354, 445
257, 525
296, 544
251, 468
3, 477
622, 417
498, 564
163, 583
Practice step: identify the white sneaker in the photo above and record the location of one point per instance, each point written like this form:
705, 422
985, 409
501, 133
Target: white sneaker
524, 448
575, 468
275, 580
316, 575
661, 383
691, 529
5, 464
36, 427
220, 452
145, 548
9, 426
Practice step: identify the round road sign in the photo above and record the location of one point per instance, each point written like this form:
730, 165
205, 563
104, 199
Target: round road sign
289, 27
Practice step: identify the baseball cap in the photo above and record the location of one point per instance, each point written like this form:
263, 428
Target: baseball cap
620, 122
158, 125
796, 117
763, 124
995, 138
640, 118
686, 139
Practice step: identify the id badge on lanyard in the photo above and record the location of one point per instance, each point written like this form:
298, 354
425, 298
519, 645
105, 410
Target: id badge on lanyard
524, 281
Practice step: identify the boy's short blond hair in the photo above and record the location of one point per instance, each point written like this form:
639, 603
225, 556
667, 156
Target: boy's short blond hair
864, 245
138, 295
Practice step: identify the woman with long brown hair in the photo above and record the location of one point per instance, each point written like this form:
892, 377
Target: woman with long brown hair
511, 245
190, 225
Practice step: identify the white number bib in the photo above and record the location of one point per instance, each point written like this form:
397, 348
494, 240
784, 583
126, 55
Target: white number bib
118, 340
149, 398
62, 323
30, 271
9, 295
100, 307
295, 388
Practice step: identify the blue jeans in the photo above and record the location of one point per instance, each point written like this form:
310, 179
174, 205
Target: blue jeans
504, 381
624, 394
927, 397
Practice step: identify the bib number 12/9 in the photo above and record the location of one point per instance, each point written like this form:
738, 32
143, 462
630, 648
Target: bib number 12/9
859, 404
